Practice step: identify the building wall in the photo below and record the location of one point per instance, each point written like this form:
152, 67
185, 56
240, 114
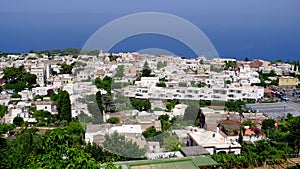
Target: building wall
288, 81
45, 107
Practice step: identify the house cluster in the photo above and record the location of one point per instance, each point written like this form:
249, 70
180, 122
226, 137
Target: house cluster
171, 78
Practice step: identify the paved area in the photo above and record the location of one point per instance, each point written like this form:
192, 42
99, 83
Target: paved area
276, 110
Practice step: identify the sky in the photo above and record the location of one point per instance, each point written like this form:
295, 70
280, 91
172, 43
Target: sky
257, 29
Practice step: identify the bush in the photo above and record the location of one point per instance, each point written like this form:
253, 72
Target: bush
18, 121
113, 120
15, 95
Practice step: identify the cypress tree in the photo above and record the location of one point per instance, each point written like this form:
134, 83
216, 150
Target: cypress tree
64, 106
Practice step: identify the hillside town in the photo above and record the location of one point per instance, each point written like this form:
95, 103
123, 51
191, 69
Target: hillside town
169, 106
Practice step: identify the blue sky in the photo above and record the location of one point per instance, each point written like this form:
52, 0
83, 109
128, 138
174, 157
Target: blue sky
267, 29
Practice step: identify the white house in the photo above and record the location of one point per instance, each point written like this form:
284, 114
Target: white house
213, 142
44, 105
127, 130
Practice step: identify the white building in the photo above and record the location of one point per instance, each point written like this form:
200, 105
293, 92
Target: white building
213, 142
40, 73
127, 130
194, 93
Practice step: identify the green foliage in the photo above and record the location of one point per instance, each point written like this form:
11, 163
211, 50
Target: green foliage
113, 120
171, 104
65, 69
93, 108
160, 65
30, 79
164, 121
253, 155
101, 155
228, 82
235, 106
62, 148
230, 64
44, 118
64, 106
6, 127
146, 72
99, 101
36, 97
203, 103
112, 57
200, 119
164, 117
117, 144
140, 104
80, 64
120, 85
248, 123
201, 84
151, 132
109, 105
18, 121
104, 83
15, 95
171, 143
3, 110
18, 79
161, 84
82, 117
120, 71
182, 84
191, 113
268, 124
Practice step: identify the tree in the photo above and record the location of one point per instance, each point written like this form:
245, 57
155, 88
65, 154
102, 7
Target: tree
3, 110
101, 155
117, 144
10, 74
200, 119
94, 109
160, 65
104, 83
230, 64
30, 79
146, 72
268, 124
18, 121
6, 127
62, 148
272, 73
140, 104
171, 143
161, 84
99, 116
44, 118
65, 69
150, 132
113, 120
64, 106
19, 86
120, 71
171, 104
235, 106
164, 121
191, 113
164, 117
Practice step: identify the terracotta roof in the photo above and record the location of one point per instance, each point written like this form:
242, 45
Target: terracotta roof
255, 64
